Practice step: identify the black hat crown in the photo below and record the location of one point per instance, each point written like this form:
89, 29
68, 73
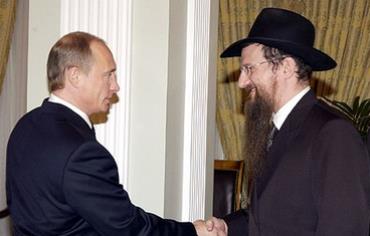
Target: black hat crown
286, 31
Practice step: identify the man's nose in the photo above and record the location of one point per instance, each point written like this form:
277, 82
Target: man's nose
114, 85
243, 80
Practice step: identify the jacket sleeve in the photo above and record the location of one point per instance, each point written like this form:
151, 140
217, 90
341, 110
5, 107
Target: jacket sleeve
341, 181
237, 223
92, 189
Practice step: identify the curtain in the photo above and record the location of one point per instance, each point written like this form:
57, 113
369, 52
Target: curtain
7, 17
342, 31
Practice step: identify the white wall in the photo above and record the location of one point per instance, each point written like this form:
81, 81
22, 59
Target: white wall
175, 109
148, 104
44, 24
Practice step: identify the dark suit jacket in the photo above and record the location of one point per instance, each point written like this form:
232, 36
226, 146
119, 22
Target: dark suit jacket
368, 141
61, 181
316, 182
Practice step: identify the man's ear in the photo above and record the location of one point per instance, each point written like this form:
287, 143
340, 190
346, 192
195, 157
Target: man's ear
73, 76
288, 67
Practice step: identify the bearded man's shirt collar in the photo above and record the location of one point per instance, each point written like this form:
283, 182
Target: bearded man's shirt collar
280, 116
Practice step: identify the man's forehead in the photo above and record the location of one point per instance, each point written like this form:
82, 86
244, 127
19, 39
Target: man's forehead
251, 52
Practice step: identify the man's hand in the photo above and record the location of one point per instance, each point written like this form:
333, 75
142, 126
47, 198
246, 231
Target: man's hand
218, 224
208, 228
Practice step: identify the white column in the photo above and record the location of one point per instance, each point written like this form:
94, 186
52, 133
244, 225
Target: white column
111, 21
199, 120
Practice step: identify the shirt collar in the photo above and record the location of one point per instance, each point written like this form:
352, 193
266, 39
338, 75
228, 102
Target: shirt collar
280, 116
55, 99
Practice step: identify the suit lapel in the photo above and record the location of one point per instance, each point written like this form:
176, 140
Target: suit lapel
286, 136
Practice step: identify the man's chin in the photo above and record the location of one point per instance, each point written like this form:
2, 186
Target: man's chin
106, 106
103, 109
106, 109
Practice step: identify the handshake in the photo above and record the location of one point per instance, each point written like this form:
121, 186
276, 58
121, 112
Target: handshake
211, 227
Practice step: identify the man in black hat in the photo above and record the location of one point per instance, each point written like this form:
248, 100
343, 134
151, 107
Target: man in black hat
310, 166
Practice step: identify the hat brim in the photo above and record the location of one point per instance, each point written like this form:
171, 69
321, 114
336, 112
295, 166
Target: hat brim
318, 60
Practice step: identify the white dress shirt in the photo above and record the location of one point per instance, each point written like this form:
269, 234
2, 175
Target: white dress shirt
280, 116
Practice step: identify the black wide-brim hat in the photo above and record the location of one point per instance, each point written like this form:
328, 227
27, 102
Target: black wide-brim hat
286, 31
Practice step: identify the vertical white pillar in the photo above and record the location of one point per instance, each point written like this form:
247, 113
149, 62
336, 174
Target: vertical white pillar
199, 120
110, 20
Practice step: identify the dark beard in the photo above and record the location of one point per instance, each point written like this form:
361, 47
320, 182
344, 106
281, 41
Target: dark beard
258, 126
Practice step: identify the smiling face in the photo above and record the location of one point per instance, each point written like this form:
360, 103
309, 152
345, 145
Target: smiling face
99, 84
257, 76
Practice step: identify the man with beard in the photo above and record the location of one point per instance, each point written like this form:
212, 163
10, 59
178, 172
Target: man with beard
310, 166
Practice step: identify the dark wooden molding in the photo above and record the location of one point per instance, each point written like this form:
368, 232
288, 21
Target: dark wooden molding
4, 213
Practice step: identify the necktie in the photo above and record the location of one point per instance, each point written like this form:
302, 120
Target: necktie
271, 136
93, 132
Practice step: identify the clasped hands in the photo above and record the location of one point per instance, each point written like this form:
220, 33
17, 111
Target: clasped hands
211, 227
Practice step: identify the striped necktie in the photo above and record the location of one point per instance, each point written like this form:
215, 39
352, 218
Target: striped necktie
271, 136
